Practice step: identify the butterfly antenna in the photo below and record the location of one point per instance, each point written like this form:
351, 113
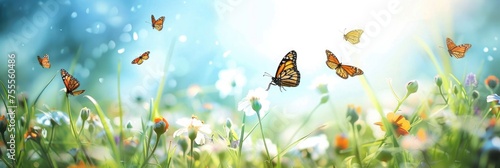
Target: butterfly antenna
267, 74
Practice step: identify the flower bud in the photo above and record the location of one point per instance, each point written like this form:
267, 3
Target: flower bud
84, 113
160, 126
384, 155
455, 89
412, 87
475, 94
438, 80
322, 88
183, 143
229, 123
256, 106
324, 98
129, 125
351, 114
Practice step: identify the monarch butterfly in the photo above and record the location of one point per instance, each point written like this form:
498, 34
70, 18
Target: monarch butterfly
353, 36
157, 24
70, 83
44, 61
287, 73
141, 58
456, 51
344, 71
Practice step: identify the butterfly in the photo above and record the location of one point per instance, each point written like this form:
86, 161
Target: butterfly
287, 73
353, 36
456, 51
70, 83
344, 71
141, 58
157, 24
44, 61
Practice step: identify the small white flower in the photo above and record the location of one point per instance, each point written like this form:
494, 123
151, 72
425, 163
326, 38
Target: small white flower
258, 95
195, 125
261, 148
230, 81
318, 144
493, 98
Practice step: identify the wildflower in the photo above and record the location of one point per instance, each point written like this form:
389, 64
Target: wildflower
254, 101
84, 113
34, 133
193, 90
81, 164
470, 80
52, 118
261, 149
160, 125
193, 127
314, 146
3, 124
493, 98
321, 84
400, 124
420, 142
352, 113
411, 87
230, 81
438, 80
129, 125
341, 142
491, 82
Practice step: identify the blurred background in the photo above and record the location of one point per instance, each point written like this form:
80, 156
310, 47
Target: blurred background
221, 49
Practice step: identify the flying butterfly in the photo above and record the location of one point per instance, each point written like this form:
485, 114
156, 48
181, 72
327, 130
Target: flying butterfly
344, 71
141, 58
70, 83
287, 73
44, 61
456, 51
157, 24
353, 36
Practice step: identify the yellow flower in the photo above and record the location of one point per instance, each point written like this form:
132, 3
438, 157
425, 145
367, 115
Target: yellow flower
400, 124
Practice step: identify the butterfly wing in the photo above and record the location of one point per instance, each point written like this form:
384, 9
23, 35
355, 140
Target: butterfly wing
141, 58
70, 83
44, 61
287, 73
331, 60
153, 21
353, 36
352, 70
457, 51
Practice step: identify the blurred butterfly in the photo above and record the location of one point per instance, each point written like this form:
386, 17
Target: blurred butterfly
456, 51
344, 71
157, 24
44, 61
287, 73
141, 58
353, 36
70, 83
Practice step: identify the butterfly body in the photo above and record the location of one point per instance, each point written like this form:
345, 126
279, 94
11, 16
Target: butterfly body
457, 51
71, 83
353, 36
287, 74
139, 60
157, 24
44, 61
343, 71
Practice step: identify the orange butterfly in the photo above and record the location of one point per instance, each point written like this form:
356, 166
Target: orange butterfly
287, 73
44, 61
456, 51
70, 83
157, 24
344, 71
141, 58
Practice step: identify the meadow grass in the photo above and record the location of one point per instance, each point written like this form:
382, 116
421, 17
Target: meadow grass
449, 128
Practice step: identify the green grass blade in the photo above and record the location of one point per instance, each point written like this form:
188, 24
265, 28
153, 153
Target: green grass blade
47, 85
287, 148
162, 83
